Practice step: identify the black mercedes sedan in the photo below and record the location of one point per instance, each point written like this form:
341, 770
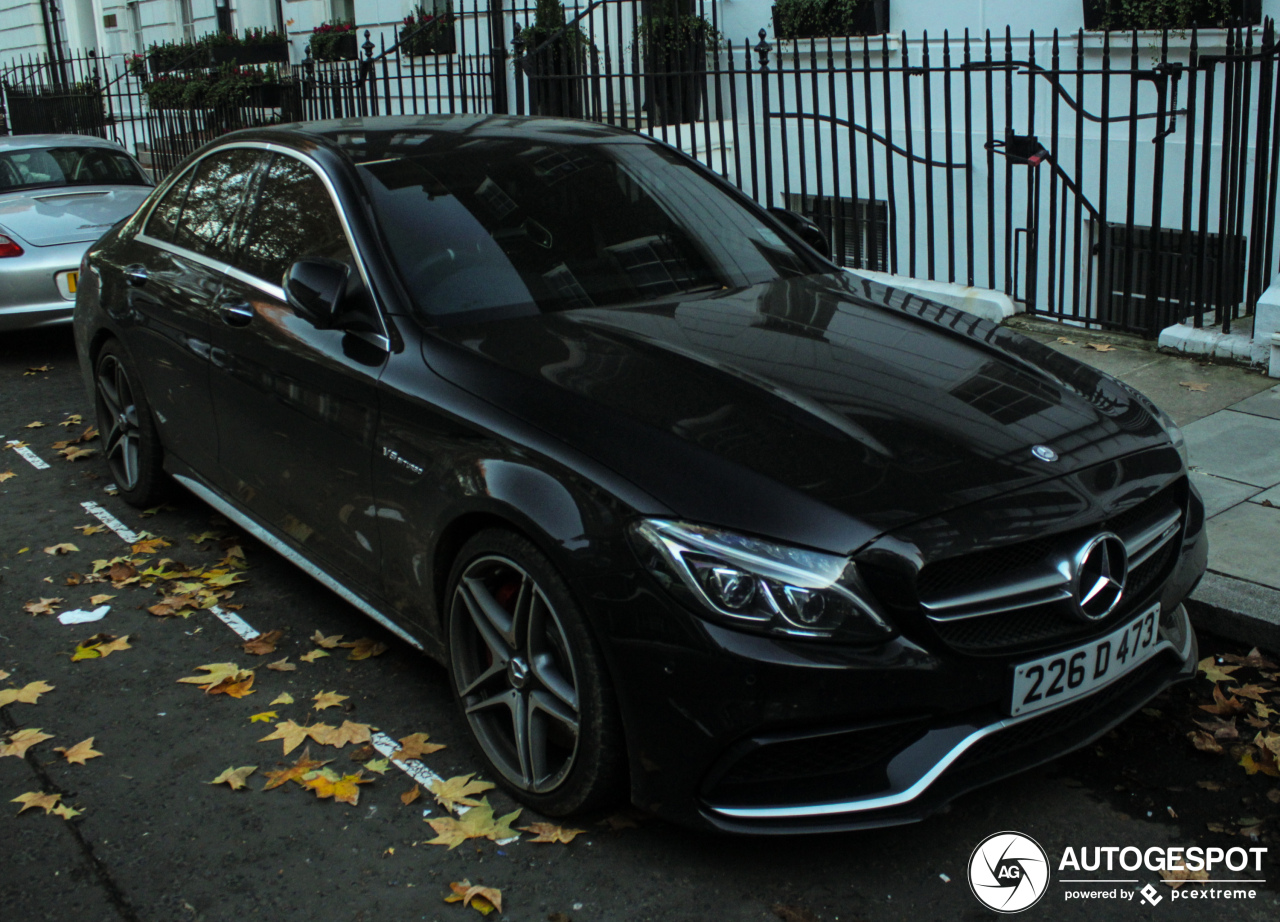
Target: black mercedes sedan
688, 513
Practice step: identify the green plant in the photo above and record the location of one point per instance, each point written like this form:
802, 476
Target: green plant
326, 39
549, 22
169, 55
1163, 14
228, 86
671, 28
428, 31
256, 36
818, 17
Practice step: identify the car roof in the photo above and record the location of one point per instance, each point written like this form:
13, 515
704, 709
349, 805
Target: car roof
27, 141
352, 135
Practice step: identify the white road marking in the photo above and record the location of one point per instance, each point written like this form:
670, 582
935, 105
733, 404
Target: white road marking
28, 455
235, 622
106, 518
414, 769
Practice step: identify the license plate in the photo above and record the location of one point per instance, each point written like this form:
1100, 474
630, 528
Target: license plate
1060, 677
72, 278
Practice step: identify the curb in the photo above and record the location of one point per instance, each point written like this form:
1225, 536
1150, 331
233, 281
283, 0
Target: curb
1238, 610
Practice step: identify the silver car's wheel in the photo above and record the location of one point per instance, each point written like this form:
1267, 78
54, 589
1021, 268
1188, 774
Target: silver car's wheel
528, 677
129, 439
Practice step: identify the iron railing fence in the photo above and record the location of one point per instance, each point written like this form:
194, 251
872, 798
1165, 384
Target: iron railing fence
1126, 181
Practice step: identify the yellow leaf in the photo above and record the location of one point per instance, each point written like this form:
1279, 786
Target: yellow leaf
327, 783
364, 648
378, 765
80, 753
235, 777
59, 549
74, 419
35, 425
415, 746
239, 686
149, 545
1100, 347
483, 899
87, 530
7, 475
328, 700
1214, 672
222, 580
327, 642
66, 812
1253, 766
22, 740
411, 795
283, 697
263, 644
100, 598
98, 646
283, 665
263, 717
27, 694
43, 607
36, 799
458, 790
75, 453
312, 656
550, 832
348, 733
289, 733
295, 772
477, 823
217, 672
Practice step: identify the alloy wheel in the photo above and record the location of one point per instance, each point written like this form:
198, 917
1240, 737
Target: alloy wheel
118, 415
515, 672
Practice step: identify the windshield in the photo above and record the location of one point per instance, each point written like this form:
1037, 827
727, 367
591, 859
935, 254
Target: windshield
47, 167
520, 225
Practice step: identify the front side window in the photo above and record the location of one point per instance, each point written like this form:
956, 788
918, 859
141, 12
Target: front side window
49, 167
517, 225
293, 217
220, 181
164, 217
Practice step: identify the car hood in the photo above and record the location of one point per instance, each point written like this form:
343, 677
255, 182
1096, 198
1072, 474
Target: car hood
80, 214
824, 392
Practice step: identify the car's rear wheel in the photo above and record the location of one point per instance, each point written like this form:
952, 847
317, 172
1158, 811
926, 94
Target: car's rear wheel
129, 438
530, 679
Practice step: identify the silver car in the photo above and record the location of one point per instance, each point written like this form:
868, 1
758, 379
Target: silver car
58, 194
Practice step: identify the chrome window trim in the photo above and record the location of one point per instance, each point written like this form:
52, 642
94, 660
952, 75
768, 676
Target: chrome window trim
868, 804
382, 340
293, 556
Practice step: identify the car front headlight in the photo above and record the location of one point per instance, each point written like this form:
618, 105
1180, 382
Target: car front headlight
758, 585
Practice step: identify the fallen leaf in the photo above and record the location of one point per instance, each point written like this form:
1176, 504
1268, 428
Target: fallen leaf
36, 799
175, 605
312, 656
80, 753
238, 686
27, 694
66, 812
1176, 877
1250, 691
217, 672
364, 648
1214, 672
88, 530
550, 832
283, 697
22, 740
41, 369
327, 700
1273, 795
327, 783
290, 734
96, 600
1204, 741
263, 717
35, 425
1252, 766
99, 646
235, 777
415, 746
283, 665
1221, 729
73, 420
327, 642
43, 607
3, 675
1253, 658
1194, 385
477, 823
263, 644
348, 733
483, 899
415, 792
1210, 786
149, 545
75, 452
7, 475
295, 772
1222, 704
1100, 347
362, 753
1269, 742
457, 791
202, 538
60, 549
1065, 341
378, 765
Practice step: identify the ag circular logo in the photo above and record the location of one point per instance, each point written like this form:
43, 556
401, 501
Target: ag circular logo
1008, 872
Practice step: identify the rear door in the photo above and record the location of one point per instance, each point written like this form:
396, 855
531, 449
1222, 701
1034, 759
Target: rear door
173, 272
297, 406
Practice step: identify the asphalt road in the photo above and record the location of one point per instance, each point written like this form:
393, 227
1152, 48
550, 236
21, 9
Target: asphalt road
155, 841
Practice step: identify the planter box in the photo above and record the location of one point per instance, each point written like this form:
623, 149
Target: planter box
274, 53
1241, 13
342, 47
196, 57
431, 40
871, 17
554, 88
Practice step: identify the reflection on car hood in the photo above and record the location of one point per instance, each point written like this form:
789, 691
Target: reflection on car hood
68, 214
870, 401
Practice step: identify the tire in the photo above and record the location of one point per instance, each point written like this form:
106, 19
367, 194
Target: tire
129, 438
529, 678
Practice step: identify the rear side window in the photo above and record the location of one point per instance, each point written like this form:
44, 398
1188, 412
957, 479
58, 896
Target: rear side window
293, 217
207, 223
164, 218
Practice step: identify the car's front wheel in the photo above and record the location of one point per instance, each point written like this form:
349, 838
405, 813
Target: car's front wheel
129, 437
530, 679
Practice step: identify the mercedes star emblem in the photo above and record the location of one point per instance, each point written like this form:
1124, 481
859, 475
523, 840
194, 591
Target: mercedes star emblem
1044, 452
1101, 567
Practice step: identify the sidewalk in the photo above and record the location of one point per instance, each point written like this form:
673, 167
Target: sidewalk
1231, 419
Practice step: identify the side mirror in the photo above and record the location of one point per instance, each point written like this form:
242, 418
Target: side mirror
805, 229
314, 288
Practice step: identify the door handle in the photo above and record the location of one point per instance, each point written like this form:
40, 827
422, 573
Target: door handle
135, 275
236, 313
